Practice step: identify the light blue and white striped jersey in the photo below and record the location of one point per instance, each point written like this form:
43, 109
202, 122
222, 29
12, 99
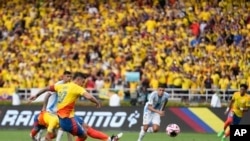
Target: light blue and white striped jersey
51, 106
156, 101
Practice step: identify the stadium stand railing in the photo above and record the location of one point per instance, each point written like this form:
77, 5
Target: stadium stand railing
175, 94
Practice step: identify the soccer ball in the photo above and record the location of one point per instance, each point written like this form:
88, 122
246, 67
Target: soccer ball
173, 130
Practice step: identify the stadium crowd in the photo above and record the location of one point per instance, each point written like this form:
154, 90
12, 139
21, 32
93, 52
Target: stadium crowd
188, 44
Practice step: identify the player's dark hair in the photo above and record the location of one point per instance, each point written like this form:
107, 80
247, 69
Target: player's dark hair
67, 73
244, 86
79, 74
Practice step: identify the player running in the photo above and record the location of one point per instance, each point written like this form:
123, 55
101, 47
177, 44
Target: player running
235, 111
153, 111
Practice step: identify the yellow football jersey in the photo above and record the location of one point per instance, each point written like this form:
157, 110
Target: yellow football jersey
239, 102
67, 95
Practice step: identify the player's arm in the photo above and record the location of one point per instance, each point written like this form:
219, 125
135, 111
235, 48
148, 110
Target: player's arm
242, 109
151, 108
92, 99
164, 105
246, 107
45, 103
230, 105
40, 92
150, 104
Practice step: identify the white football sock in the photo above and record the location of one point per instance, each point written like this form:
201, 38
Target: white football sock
141, 135
59, 135
39, 135
43, 139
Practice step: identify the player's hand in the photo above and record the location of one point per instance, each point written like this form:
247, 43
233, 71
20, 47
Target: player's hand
243, 109
162, 113
98, 104
239, 108
32, 98
225, 112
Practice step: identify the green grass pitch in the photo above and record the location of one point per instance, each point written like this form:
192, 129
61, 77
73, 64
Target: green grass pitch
23, 135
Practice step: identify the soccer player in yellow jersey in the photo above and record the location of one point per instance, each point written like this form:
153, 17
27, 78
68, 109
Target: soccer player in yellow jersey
237, 106
50, 105
68, 94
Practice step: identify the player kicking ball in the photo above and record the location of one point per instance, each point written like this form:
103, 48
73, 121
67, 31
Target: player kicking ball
67, 95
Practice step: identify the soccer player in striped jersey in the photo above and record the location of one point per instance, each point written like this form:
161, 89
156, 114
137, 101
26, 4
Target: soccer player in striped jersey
153, 111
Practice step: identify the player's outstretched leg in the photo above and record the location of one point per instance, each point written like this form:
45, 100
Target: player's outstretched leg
141, 135
102, 136
116, 137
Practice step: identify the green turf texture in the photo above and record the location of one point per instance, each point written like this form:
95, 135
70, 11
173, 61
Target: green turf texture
23, 135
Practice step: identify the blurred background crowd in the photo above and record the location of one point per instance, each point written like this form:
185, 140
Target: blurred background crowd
187, 44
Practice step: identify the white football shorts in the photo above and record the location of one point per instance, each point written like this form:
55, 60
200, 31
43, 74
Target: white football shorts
153, 118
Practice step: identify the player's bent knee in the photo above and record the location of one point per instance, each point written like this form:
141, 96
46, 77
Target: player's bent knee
85, 126
84, 136
81, 139
50, 136
155, 130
